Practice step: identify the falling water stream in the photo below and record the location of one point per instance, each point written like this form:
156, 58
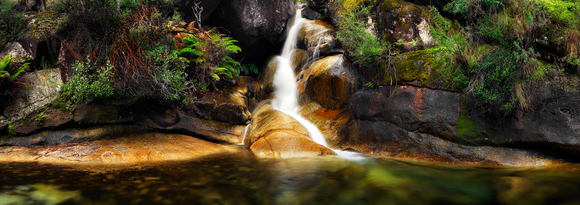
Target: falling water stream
286, 97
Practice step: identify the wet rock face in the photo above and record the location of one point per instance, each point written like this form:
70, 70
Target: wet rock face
374, 137
317, 38
230, 113
330, 82
259, 26
424, 110
277, 135
177, 121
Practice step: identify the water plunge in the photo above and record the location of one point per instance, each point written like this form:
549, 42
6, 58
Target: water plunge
286, 97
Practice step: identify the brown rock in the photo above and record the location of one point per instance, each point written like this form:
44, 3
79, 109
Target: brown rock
435, 112
73, 135
330, 82
231, 113
381, 138
19, 55
141, 148
188, 125
275, 134
266, 81
299, 61
40, 88
316, 37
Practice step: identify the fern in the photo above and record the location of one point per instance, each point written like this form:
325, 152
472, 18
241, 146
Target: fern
6, 71
249, 68
5, 63
212, 53
18, 71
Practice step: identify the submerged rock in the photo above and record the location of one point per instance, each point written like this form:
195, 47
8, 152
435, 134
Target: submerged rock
275, 134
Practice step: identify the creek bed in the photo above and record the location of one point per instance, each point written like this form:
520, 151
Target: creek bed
244, 179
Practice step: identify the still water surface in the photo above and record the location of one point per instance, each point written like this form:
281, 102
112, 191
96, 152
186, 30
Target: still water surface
243, 179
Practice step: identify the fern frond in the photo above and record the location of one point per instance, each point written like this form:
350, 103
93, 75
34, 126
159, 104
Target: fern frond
18, 71
191, 40
5, 63
215, 76
188, 53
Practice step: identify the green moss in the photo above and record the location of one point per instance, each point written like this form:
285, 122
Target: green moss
563, 11
416, 66
468, 130
466, 126
45, 24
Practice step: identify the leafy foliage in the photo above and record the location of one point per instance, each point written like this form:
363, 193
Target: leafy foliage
249, 68
7, 73
11, 23
363, 46
210, 56
90, 83
496, 78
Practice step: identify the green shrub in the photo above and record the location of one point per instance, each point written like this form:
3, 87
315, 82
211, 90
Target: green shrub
89, 83
494, 77
171, 82
363, 47
11, 23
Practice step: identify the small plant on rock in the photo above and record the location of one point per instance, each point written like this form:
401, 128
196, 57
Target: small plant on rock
91, 82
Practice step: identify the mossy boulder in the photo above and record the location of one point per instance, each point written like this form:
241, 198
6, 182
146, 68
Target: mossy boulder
41, 29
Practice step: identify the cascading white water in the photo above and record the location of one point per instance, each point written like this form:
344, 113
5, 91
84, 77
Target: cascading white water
245, 133
286, 97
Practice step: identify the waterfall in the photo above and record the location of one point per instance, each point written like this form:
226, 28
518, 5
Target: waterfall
245, 133
286, 97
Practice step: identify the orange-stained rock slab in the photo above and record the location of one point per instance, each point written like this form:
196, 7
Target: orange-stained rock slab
330, 82
133, 149
275, 134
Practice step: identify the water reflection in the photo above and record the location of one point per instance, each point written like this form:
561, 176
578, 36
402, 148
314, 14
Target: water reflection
243, 179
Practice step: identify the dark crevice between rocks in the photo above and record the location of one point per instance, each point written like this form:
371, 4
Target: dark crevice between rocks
549, 150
